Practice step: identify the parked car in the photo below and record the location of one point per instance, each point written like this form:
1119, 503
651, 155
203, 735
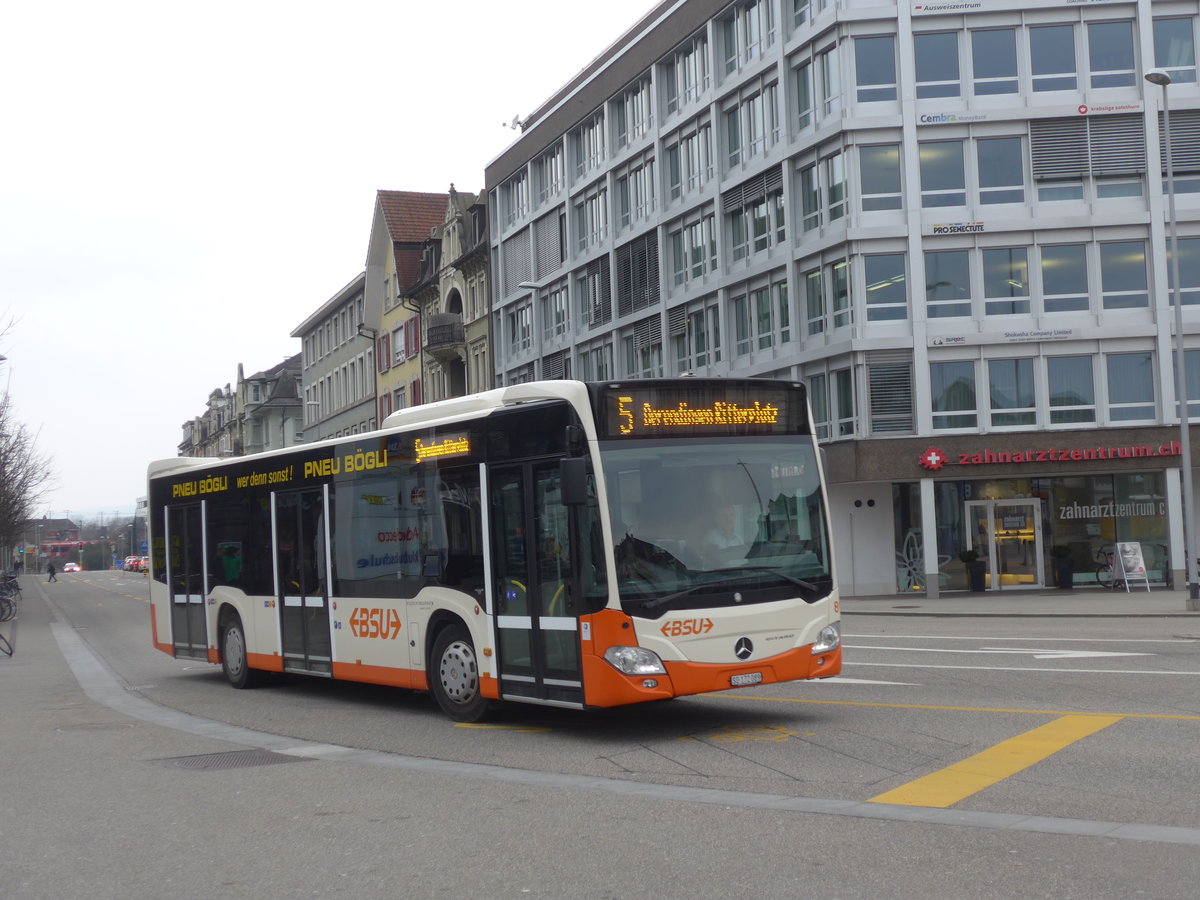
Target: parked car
71, 567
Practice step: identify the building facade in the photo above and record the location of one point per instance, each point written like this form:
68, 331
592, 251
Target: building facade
403, 221
948, 220
338, 364
214, 432
270, 410
451, 295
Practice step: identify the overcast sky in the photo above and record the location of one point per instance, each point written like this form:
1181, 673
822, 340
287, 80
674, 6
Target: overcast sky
182, 185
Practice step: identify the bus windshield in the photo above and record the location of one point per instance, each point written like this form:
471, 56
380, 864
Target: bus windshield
716, 522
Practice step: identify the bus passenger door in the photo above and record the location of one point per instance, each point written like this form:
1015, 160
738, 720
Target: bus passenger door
301, 564
533, 592
185, 575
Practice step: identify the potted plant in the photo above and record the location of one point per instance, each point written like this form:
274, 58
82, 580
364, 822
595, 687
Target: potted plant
976, 569
1064, 567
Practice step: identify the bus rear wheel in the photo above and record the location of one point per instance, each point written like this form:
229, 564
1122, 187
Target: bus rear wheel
234, 659
454, 676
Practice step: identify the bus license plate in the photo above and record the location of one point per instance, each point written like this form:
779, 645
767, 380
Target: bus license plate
748, 678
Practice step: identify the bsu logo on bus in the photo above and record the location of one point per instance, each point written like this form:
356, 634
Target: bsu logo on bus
375, 623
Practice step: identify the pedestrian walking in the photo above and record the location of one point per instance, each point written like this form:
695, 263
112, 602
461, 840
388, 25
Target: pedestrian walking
50, 569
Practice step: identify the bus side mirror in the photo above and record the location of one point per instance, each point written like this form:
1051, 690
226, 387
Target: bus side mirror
572, 473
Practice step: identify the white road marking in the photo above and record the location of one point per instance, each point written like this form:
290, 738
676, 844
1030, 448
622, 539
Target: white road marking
1037, 654
856, 664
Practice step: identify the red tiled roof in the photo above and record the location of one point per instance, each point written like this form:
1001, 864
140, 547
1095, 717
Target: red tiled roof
410, 215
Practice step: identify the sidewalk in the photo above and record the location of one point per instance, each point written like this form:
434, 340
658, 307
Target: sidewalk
1078, 602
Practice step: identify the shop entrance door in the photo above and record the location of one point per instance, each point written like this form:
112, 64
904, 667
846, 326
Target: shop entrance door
1008, 536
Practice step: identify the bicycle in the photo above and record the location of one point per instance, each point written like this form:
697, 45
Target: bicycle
10, 594
1107, 575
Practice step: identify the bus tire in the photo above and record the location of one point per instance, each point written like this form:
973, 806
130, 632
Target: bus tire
454, 675
234, 657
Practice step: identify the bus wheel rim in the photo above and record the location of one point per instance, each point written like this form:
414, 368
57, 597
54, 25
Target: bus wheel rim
458, 673
235, 653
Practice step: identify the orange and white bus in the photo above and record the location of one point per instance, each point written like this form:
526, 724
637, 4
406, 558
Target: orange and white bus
560, 543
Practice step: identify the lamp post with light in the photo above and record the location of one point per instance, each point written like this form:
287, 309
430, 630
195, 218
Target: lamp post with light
1162, 79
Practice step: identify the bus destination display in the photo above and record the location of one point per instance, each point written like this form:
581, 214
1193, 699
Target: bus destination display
632, 411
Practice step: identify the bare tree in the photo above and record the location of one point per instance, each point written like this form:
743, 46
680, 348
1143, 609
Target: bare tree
25, 472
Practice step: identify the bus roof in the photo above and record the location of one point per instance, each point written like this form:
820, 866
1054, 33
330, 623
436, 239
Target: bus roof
427, 414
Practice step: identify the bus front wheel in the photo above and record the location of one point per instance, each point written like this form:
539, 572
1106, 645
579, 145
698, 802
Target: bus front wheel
234, 657
454, 676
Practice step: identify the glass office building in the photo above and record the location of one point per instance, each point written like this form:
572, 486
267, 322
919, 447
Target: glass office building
948, 219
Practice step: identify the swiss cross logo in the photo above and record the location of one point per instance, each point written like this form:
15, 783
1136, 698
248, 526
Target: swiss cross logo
933, 458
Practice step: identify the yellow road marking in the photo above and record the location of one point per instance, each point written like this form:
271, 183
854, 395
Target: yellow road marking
961, 780
741, 695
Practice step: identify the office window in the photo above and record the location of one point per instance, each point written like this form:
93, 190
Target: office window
814, 301
1130, 387
752, 126
1006, 281
761, 318
1071, 389
634, 188
747, 32
750, 226
698, 339
685, 74
1189, 271
804, 95
875, 68
1052, 57
800, 12
835, 185
886, 287
630, 113
943, 177
818, 397
879, 177
1001, 170
516, 196
831, 81
1060, 189
591, 218
947, 283
1064, 278
555, 312
587, 143
689, 161
1123, 275
520, 328
843, 398
952, 388
936, 57
838, 277
1010, 387
1110, 54
764, 314
810, 198
694, 249
994, 61
1175, 48
549, 175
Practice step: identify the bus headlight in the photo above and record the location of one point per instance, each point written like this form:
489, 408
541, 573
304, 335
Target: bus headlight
634, 661
829, 639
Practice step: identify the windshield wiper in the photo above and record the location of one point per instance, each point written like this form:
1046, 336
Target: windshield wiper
665, 599
774, 570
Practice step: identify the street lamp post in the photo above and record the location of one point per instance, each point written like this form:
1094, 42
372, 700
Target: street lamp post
1162, 79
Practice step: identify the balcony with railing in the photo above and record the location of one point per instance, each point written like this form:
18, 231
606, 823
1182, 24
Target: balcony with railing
444, 336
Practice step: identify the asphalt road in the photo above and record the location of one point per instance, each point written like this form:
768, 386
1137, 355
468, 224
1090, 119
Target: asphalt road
765, 792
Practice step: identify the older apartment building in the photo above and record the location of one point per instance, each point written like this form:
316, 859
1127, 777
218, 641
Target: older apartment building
947, 219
